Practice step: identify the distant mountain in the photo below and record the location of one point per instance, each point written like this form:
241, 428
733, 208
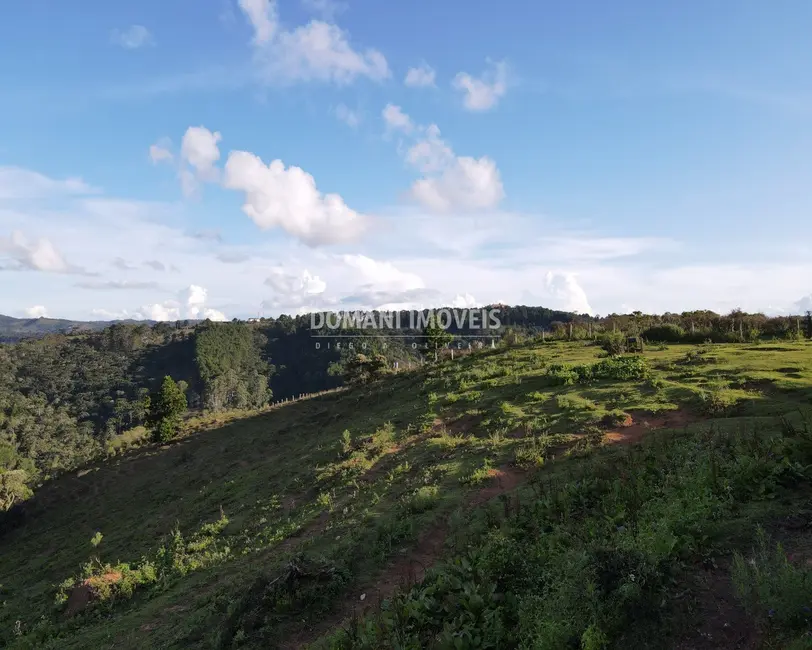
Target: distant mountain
15, 329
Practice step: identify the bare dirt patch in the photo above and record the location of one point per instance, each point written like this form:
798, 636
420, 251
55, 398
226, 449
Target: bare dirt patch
720, 621
408, 569
465, 424
642, 423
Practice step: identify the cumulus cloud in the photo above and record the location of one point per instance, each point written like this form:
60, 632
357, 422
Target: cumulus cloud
159, 152
291, 291
396, 119
286, 284
191, 305
420, 77
464, 301
317, 51
452, 182
350, 117
287, 198
275, 195
37, 311
18, 254
132, 38
467, 184
196, 162
19, 183
199, 154
482, 93
382, 273
564, 293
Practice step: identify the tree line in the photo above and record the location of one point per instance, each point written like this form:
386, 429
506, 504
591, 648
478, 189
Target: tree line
63, 397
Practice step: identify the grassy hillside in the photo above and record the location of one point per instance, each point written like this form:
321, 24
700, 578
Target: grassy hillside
538, 496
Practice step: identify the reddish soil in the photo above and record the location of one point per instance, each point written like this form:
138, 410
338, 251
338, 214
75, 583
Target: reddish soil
408, 569
87, 591
642, 423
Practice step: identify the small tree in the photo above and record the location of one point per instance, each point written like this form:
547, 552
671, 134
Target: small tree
436, 337
166, 409
362, 368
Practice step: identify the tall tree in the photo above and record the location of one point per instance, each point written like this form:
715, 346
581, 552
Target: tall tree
166, 410
436, 337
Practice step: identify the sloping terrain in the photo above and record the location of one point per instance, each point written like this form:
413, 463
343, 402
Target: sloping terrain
463, 480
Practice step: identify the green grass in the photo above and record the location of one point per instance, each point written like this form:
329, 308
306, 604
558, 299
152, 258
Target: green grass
250, 530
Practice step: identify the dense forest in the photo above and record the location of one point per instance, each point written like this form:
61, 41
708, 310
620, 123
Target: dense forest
64, 397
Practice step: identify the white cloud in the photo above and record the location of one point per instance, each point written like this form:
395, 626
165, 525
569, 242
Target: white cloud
191, 305
420, 77
431, 153
350, 117
564, 293
263, 18
196, 162
484, 92
395, 118
464, 301
452, 182
200, 152
276, 196
285, 284
37, 311
382, 274
132, 38
468, 184
39, 255
317, 51
295, 292
19, 183
160, 152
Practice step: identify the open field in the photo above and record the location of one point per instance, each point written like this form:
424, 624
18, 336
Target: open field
608, 503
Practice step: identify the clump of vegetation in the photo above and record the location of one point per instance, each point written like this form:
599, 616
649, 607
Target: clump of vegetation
522, 583
613, 343
666, 333
774, 590
621, 368
176, 557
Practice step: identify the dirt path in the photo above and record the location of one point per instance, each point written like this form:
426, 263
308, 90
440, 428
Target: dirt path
642, 423
408, 569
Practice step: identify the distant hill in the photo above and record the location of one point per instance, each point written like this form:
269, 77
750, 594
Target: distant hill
16, 329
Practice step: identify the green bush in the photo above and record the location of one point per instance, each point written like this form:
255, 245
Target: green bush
772, 588
667, 333
613, 342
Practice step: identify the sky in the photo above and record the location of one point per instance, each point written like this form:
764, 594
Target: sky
235, 158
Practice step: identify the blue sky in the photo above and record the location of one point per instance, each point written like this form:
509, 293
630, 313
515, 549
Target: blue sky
594, 156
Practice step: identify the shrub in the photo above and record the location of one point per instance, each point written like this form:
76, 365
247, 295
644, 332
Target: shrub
423, 498
613, 342
667, 333
772, 588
